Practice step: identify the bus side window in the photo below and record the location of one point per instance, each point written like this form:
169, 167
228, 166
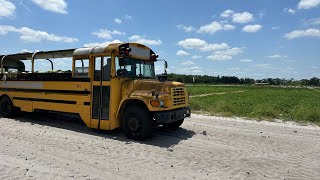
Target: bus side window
81, 68
106, 66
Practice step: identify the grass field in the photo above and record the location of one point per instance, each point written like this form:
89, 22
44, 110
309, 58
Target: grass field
263, 103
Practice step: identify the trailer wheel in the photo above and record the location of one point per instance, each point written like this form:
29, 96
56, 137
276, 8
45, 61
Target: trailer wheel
136, 123
6, 107
173, 125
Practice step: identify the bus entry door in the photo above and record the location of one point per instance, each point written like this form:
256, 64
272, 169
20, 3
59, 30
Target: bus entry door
100, 92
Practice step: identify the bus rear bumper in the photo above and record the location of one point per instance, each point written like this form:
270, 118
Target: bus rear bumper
165, 117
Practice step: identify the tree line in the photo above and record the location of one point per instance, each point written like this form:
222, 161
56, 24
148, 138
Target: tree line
206, 79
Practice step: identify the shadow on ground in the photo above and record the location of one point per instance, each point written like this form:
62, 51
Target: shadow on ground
162, 137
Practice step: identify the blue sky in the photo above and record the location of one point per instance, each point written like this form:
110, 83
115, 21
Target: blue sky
257, 39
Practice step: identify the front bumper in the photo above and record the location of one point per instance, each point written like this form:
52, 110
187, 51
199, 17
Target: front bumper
164, 117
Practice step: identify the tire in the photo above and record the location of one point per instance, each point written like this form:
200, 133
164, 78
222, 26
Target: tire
7, 109
173, 125
136, 123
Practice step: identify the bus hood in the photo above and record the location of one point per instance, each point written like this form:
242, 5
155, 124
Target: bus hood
150, 85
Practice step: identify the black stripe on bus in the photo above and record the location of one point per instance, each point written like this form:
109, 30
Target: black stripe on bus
45, 91
45, 100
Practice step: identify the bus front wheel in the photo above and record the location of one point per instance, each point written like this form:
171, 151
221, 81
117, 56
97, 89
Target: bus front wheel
136, 123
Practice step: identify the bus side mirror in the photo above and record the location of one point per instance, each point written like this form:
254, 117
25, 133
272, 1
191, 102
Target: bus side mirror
162, 77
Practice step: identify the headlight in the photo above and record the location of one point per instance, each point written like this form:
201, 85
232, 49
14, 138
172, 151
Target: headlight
161, 103
157, 103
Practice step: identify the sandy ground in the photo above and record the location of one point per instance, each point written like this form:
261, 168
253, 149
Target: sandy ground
51, 147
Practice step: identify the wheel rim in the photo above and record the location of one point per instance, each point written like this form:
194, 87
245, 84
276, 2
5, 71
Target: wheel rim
134, 124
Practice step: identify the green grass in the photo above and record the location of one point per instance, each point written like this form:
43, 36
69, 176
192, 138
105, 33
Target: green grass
263, 103
202, 89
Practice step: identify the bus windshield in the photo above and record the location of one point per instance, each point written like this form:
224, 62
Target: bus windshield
135, 68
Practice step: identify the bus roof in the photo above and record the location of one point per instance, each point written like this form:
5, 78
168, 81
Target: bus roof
85, 51
39, 55
96, 49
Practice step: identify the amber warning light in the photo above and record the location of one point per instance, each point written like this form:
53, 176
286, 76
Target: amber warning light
154, 57
124, 51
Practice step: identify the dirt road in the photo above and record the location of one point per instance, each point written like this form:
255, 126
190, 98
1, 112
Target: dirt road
44, 147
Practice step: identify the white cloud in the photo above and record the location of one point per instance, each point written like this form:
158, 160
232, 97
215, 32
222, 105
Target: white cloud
289, 10
219, 52
189, 70
195, 67
308, 4
227, 13
275, 28
196, 57
187, 63
230, 52
311, 32
313, 21
277, 56
246, 60
186, 28
244, 17
127, 17
198, 71
194, 43
262, 65
30, 35
252, 28
214, 27
57, 6
215, 57
25, 51
7, 8
143, 40
117, 20
214, 47
228, 27
107, 34
122, 19
182, 53
101, 44
5, 29
234, 68
225, 54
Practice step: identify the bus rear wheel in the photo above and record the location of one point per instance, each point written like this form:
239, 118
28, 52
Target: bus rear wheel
136, 123
6, 107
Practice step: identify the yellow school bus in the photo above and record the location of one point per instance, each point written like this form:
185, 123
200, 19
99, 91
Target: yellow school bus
110, 87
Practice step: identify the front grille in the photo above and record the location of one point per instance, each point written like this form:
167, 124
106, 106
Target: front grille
178, 96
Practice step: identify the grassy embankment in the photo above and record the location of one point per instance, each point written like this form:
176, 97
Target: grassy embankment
296, 104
